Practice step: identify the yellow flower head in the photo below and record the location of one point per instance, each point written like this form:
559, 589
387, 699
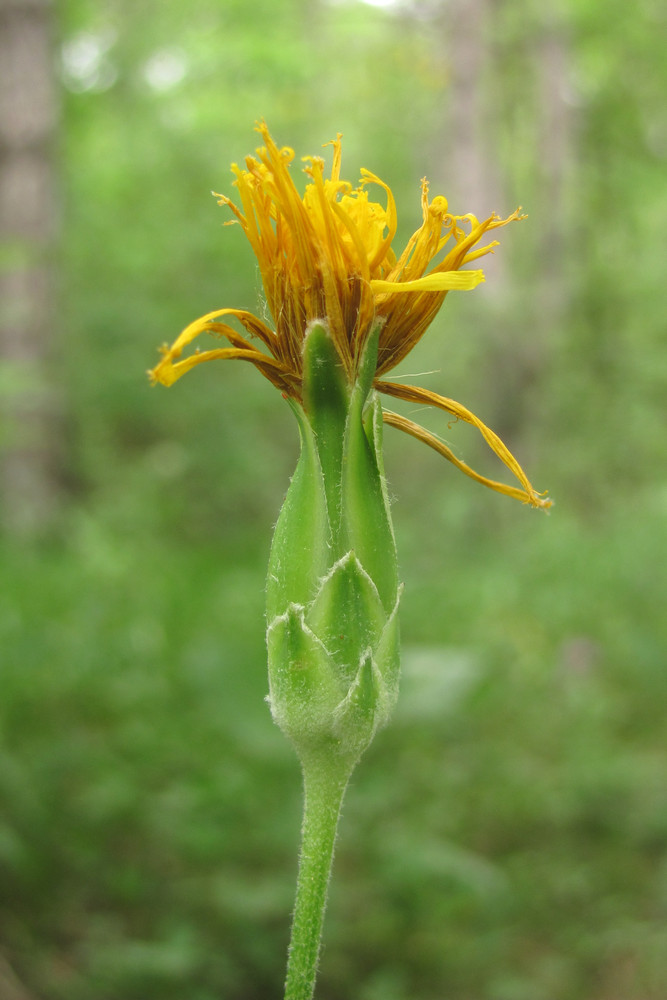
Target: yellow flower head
327, 256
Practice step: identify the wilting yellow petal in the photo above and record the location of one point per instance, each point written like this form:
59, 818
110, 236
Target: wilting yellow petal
438, 282
415, 394
166, 372
419, 432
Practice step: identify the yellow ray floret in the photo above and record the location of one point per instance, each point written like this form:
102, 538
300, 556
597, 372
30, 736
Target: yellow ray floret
327, 255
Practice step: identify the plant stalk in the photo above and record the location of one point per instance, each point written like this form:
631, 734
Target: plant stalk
324, 788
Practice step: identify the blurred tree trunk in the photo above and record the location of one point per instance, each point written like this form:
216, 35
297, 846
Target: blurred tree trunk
480, 93
555, 156
468, 38
471, 172
10, 986
28, 220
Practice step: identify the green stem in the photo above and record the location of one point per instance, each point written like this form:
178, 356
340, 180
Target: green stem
324, 787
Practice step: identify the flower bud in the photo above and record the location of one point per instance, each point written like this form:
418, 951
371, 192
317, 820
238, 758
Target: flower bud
332, 590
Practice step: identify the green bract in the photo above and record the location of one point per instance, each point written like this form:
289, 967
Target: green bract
332, 589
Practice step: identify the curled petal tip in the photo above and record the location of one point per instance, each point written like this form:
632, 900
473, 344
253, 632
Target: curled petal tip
540, 501
163, 373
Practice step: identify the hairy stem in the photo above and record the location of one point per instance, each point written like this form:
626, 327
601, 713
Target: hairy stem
324, 787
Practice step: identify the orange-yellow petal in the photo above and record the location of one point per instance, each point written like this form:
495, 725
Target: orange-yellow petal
437, 281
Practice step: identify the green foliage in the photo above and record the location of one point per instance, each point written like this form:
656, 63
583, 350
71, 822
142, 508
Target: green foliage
506, 836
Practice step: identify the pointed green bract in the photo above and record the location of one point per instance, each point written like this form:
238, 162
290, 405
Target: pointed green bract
326, 395
301, 547
365, 508
347, 613
302, 692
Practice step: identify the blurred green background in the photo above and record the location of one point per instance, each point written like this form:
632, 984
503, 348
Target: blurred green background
506, 837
